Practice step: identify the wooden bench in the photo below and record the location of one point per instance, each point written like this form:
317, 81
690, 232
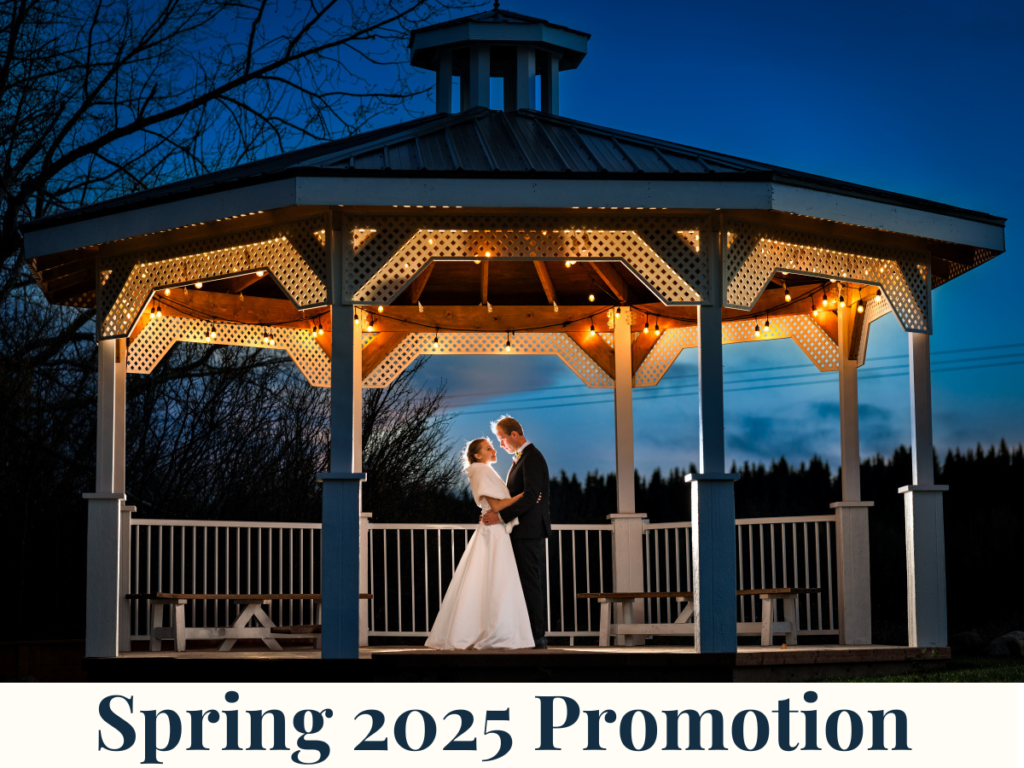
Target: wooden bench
683, 625
239, 629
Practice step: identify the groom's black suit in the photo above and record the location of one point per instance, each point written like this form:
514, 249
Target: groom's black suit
529, 476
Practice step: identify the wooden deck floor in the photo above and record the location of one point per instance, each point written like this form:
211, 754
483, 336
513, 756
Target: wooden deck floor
561, 663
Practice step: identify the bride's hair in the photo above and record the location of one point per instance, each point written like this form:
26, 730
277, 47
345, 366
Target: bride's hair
472, 449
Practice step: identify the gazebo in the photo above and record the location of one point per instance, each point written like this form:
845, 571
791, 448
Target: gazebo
517, 231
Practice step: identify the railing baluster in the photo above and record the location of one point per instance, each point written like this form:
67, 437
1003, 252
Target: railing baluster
828, 557
398, 559
817, 573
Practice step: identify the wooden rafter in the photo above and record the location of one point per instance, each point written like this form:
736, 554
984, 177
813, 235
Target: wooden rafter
858, 325
642, 347
545, 281
519, 318
240, 283
484, 272
609, 277
382, 345
416, 289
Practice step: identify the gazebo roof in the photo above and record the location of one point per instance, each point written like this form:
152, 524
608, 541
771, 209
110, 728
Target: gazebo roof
485, 143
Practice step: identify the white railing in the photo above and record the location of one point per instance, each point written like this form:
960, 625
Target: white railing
770, 552
213, 557
409, 568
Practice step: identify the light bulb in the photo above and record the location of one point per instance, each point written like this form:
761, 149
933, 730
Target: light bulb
757, 331
590, 298
592, 331
647, 327
213, 332
657, 330
319, 329
788, 296
260, 273
152, 312
860, 307
824, 299
159, 312
878, 296
380, 308
199, 285
476, 261
842, 301
355, 318
568, 264
436, 343
618, 311
266, 337
369, 326
487, 254
815, 312
167, 291
271, 341
767, 322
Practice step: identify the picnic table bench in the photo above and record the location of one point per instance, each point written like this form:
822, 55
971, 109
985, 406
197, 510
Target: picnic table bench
239, 629
683, 625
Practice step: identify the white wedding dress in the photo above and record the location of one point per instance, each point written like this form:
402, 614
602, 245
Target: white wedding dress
484, 607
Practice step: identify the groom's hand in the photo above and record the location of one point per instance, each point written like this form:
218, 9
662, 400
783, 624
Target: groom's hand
490, 517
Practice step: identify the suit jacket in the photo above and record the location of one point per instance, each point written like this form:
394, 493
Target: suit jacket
529, 476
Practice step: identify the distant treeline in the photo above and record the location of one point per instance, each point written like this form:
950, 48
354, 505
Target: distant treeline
983, 515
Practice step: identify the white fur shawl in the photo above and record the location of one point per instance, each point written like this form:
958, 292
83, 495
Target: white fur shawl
484, 481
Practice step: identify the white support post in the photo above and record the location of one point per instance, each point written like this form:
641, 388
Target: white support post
922, 501
627, 524
343, 483
357, 467
479, 77
853, 557
104, 602
549, 85
713, 499
444, 83
519, 90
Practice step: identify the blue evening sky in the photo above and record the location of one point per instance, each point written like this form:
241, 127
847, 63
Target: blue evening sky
921, 98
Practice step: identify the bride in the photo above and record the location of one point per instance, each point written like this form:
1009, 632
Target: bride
484, 607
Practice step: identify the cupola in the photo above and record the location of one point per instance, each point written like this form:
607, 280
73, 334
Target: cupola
498, 43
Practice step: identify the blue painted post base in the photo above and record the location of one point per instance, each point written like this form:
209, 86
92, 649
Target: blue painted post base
713, 514
926, 566
103, 596
340, 564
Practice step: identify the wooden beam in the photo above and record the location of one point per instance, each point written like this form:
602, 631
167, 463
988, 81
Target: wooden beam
484, 271
606, 274
597, 349
858, 324
545, 281
519, 318
828, 320
227, 307
382, 345
642, 347
240, 283
416, 289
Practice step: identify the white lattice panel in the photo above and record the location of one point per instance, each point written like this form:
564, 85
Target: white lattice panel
457, 343
808, 335
873, 310
292, 252
666, 349
756, 252
389, 251
981, 255
160, 334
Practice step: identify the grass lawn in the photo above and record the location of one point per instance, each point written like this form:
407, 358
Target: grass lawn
963, 669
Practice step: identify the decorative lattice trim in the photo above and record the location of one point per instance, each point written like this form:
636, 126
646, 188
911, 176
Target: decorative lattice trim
756, 252
981, 255
388, 251
488, 344
874, 310
808, 335
160, 334
294, 253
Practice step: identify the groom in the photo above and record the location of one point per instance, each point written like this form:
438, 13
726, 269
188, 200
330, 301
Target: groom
529, 476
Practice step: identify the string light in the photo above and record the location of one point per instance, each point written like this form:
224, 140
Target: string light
788, 296
508, 342
842, 299
618, 311
152, 311
590, 298
657, 330
208, 337
159, 312
647, 326
767, 321
824, 299
860, 306
260, 273
319, 328
757, 330
213, 332
436, 342
380, 309
266, 336
199, 285
355, 318
167, 291
592, 330
369, 326
878, 296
